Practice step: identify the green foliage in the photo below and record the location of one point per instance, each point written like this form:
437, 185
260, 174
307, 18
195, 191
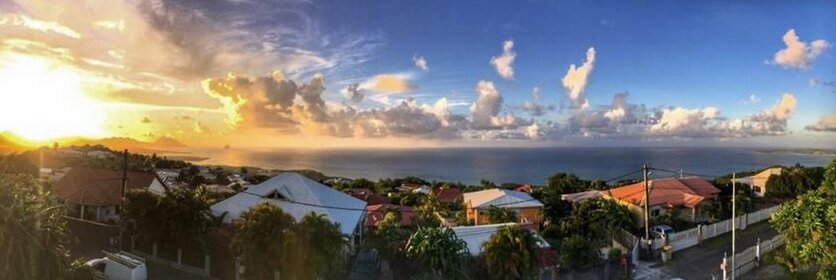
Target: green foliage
511, 253
794, 181
313, 246
180, 216
33, 234
597, 219
499, 215
17, 164
807, 224
439, 251
555, 208
260, 238
576, 251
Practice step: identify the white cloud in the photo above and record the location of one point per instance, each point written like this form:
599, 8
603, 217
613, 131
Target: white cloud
504, 62
798, 54
486, 106
388, 83
420, 62
576, 80
824, 124
535, 93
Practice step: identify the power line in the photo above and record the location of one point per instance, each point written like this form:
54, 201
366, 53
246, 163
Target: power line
686, 173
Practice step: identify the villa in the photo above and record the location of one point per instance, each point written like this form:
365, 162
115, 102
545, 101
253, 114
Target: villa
689, 194
526, 208
758, 181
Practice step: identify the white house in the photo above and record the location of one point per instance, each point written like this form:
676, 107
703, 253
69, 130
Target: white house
475, 236
95, 194
298, 196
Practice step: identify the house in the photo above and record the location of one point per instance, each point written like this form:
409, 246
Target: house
96, 194
475, 236
376, 213
369, 196
101, 154
580, 196
298, 196
526, 208
71, 153
414, 188
758, 181
448, 195
526, 188
689, 194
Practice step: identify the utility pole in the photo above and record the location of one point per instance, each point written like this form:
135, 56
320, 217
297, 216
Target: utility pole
734, 226
122, 201
647, 210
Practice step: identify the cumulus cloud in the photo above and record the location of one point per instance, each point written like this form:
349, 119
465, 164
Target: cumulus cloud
278, 103
532, 107
388, 83
504, 62
420, 62
799, 54
681, 120
535, 93
485, 109
824, 124
575, 80
353, 92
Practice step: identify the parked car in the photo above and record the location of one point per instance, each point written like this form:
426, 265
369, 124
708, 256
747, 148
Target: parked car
119, 266
661, 230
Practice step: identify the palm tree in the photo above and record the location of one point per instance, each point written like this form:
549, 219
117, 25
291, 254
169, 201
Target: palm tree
439, 250
259, 240
497, 215
33, 234
512, 253
315, 243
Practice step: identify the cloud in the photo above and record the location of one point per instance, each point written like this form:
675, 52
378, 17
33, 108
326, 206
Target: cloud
824, 124
798, 54
39, 25
353, 92
680, 120
532, 107
388, 84
504, 62
535, 93
420, 62
260, 101
575, 80
753, 99
830, 84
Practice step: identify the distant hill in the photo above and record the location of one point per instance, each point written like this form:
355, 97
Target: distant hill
12, 143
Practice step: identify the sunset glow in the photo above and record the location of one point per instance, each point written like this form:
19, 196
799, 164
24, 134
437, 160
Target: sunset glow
48, 100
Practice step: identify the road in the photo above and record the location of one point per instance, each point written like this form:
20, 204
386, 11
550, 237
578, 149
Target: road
702, 261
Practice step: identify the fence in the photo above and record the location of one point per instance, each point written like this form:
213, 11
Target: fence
188, 261
689, 238
749, 258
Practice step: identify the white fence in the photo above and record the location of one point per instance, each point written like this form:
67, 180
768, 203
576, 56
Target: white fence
689, 238
749, 258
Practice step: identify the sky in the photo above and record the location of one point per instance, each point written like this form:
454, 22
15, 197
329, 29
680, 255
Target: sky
325, 74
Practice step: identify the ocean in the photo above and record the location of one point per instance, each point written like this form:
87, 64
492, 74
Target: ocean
517, 165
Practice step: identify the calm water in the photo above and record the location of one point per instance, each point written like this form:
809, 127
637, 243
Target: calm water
523, 165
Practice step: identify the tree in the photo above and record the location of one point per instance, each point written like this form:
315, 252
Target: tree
260, 236
597, 219
576, 251
498, 215
315, 243
511, 253
33, 234
178, 217
439, 251
807, 224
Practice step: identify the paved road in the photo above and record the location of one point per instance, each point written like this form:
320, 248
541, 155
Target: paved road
703, 261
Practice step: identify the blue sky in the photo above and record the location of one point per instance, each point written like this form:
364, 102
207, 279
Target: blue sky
345, 72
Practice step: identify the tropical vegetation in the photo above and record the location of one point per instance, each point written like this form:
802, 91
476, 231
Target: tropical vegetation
512, 253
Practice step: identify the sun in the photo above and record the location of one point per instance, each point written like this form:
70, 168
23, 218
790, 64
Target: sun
44, 99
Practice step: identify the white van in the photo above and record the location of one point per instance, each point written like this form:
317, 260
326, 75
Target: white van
119, 266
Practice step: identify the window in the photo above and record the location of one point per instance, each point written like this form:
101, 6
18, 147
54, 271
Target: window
275, 195
654, 212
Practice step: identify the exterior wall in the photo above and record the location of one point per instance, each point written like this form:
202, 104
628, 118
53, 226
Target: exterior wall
157, 187
530, 215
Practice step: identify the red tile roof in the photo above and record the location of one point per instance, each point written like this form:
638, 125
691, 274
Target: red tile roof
369, 196
523, 188
98, 187
375, 214
448, 195
688, 191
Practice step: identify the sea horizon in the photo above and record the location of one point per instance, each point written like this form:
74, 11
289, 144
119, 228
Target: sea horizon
531, 165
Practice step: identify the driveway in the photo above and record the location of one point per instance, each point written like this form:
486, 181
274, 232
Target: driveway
703, 261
